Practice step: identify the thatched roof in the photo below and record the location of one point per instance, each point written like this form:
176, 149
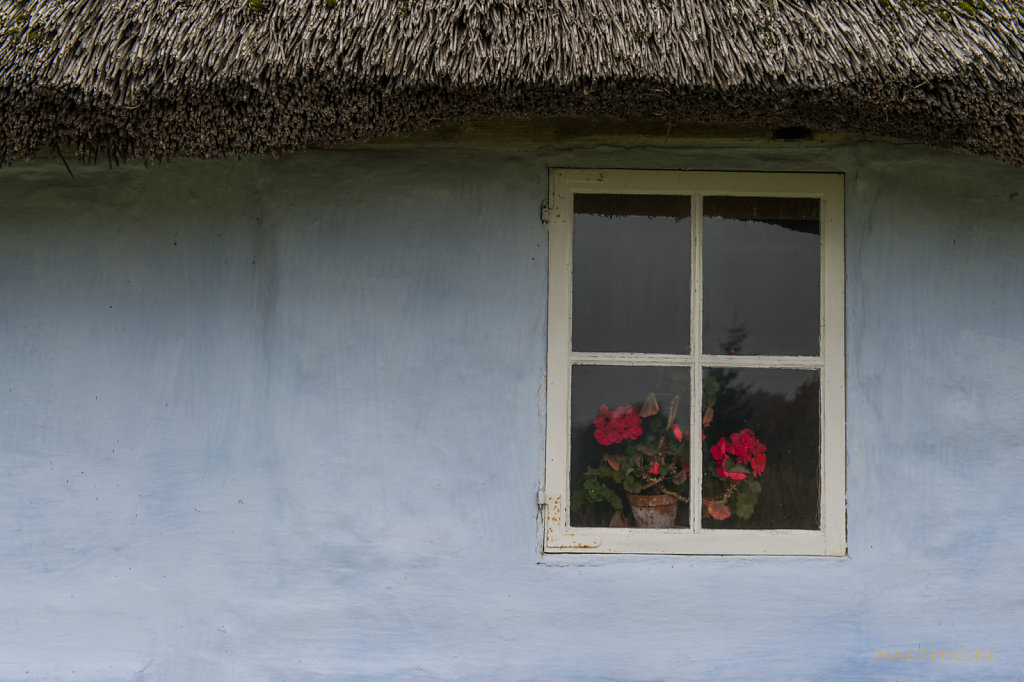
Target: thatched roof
158, 78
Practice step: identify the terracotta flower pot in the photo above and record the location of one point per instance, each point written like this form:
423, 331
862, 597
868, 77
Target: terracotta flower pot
653, 511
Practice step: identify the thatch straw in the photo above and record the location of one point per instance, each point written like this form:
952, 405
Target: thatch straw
151, 79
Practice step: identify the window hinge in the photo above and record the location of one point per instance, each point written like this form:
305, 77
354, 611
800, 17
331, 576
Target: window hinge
545, 213
540, 498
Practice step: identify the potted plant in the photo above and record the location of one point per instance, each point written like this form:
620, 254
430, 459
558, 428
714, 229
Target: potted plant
645, 465
729, 485
644, 470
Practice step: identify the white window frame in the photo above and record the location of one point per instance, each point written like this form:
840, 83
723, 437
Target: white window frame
559, 535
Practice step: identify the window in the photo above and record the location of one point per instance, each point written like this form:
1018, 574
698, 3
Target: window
695, 363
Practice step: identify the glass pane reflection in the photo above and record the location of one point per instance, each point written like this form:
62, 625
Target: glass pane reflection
631, 445
631, 273
761, 449
761, 275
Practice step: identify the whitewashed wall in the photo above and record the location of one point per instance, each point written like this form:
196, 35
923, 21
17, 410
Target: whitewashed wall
283, 420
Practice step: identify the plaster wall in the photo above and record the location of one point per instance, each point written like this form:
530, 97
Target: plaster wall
284, 420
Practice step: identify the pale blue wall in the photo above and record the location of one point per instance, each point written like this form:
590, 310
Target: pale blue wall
283, 419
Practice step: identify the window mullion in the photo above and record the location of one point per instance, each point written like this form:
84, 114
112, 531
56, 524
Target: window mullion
696, 348
777, 361
629, 359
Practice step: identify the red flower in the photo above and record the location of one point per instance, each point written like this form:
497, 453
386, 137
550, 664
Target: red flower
614, 427
677, 432
721, 451
746, 446
757, 463
739, 449
655, 468
731, 475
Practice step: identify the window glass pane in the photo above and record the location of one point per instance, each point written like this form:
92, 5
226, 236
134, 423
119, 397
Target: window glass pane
631, 273
629, 436
761, 275
761, 449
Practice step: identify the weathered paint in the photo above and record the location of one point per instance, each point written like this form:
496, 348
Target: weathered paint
284, 420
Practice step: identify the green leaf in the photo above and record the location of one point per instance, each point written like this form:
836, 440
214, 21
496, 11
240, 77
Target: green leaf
595, 490
735, 467
614, 500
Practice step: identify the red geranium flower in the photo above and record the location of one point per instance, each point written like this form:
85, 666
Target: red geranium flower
745, 446
757, 462
731, 475
724, 449
613, 427
721, 450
